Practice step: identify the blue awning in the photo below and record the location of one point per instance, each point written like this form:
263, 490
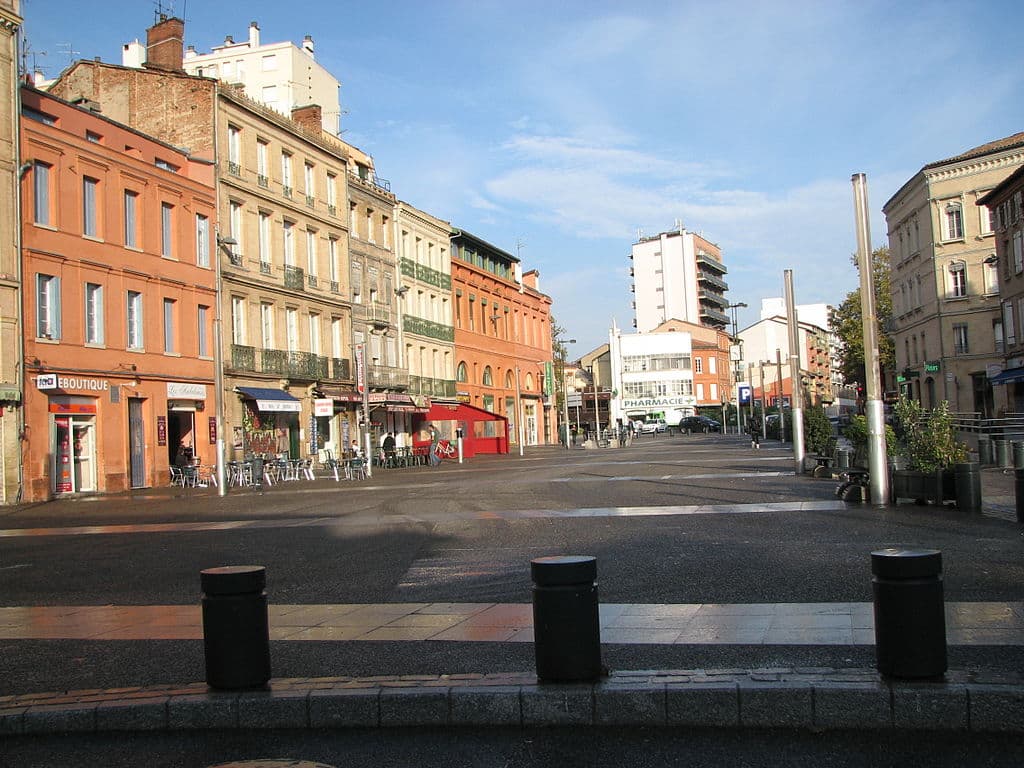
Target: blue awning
1008, 376
270, 400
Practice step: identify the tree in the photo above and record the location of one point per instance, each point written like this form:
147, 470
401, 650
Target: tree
560, 356
847, 322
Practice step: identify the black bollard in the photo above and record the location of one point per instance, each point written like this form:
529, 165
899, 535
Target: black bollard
1018, 454
910, 618
968, 486
1018, 489
566, 624
1004, 457
236, 633
985, 455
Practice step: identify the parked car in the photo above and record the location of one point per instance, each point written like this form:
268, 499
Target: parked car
653, 426
699, 424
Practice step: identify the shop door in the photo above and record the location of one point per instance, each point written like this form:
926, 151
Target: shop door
136, 443
74, 457
531, 425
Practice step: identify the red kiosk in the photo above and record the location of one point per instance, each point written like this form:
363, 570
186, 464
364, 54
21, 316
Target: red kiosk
482, 431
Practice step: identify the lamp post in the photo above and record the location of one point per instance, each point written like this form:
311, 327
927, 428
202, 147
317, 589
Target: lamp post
565, 393
519, 413
736, 362
218, 366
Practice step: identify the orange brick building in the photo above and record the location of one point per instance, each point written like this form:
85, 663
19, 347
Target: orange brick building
502, 339
119, 297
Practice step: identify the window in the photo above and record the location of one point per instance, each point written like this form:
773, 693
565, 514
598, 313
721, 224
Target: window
47, 307
202, 240
960, 346
234, 150
166, 230
93, 313
698, 365
353, 224
269, 62
90, 228
488, 378
267, 325
134, 320
202, 332
309, 179
169, 336
270, 96
131, 219
286, 174
332, 260
1008, 325
262, 173
712, 365
370, 236
264, 239
311, 252
332, 193
957, 280
235, 222
986, 220
461, 374
1018, 252
289, 244
991, 275
336, 334
314, 333
41, 193
953, 223
291, 319
238, 334
714, 393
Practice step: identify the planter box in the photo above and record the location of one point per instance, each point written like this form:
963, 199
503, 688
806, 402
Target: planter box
936, 487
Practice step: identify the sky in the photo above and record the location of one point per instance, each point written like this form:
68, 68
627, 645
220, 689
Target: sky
561, 131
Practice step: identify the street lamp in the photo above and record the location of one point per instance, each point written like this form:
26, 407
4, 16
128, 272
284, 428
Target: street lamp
227, 243
565, 393
736, 362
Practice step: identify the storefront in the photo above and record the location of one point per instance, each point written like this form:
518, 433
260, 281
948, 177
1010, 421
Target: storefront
89, 434
483, 432
269, 424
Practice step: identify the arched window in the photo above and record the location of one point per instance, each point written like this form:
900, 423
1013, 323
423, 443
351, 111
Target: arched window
461, 374
510, 382
488, 380
529, 382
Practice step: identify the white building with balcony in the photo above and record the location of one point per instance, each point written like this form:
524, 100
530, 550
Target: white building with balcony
652, 376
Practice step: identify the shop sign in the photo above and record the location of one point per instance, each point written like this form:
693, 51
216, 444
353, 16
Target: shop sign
72, 407
360, 370
161, 430
323, 406
53, 381
177, 390
658, 402
213, 430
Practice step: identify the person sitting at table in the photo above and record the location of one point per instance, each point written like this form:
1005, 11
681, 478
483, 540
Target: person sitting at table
356, 452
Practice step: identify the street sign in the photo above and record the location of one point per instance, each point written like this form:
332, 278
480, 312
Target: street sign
574, 400
744, 394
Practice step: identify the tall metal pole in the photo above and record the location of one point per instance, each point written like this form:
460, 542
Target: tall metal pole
565, 395
519, 413
878, 472
362, 384
778, 392
794, 375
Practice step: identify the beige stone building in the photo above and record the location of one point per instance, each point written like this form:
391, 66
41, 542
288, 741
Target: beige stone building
11, 418
1006, 202
426, 330
945, 293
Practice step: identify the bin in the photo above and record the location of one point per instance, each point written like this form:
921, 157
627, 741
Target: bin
968, 486
236, 632
985, 455
1004, 458
910, 619
566, 623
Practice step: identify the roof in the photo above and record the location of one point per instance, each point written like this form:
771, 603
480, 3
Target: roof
1010, 142
1002, 188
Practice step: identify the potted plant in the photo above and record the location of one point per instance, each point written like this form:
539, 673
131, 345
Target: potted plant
929, 444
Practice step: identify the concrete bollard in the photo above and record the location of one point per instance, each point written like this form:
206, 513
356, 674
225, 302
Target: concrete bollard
566, 621
1018, 489
968, 486
985, 455
1004, 458
910, 618
236, 632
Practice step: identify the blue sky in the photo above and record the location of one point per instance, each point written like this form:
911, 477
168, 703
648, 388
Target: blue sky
559, 129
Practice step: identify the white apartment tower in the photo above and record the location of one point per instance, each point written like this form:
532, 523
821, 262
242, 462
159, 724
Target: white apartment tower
678, 275
281, 75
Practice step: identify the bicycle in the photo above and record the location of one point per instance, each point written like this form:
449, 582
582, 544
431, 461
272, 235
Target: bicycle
445, 450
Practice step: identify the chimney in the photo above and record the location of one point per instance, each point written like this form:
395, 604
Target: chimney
307, 46
308, 117
254, 35
165, 44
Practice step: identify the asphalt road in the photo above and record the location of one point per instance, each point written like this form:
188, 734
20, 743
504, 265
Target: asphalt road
466, 533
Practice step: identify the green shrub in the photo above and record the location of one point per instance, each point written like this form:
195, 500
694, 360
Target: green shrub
927, 438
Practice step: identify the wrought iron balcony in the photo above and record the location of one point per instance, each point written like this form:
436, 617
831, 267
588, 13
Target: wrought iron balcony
387, 377
243, 358
424, 385
262, 180
234, 168
421, 327
341, 368
299, 365
294, 277
265, 267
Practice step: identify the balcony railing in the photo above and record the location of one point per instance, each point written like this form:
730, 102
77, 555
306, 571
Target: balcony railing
707, 277
332, 210
310, 201
386, 377
234, 168
286, 191
300, 365
311, 279
294, 277
341, 368
262, 180
265, 267
423, 385
335, 288
235, 258
421, 327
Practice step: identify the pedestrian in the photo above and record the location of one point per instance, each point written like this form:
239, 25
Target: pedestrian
388, 446
755, 434
435, 438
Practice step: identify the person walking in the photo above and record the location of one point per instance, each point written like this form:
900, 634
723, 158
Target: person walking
755, 434
435, 438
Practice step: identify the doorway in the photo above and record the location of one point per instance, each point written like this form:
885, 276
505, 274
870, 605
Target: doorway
74, 455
